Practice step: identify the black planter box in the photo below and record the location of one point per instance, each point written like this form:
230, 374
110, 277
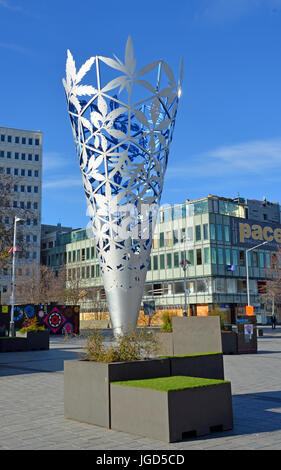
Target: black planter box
229, 342
37, 340
13, 344
207, 366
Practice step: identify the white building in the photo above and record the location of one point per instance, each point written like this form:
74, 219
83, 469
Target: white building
21, 158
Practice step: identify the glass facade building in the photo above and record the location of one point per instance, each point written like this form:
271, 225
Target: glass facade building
213, 234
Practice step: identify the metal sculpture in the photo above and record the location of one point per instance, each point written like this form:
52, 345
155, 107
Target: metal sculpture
122, 132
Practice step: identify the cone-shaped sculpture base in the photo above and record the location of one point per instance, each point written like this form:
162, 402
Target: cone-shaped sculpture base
124, 306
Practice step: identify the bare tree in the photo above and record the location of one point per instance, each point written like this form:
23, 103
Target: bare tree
271, 292
38, 285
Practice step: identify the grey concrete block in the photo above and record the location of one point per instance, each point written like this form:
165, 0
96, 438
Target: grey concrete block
87, 391
171, 416
196, 335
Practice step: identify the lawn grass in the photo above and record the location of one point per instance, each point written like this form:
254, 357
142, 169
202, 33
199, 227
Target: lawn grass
167, 384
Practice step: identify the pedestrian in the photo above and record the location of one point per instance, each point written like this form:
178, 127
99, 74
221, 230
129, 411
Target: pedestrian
273, 321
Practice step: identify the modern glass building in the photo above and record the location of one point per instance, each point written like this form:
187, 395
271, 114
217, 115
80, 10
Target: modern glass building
215, 235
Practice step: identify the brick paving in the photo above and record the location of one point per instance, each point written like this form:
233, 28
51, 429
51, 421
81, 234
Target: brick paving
31, 404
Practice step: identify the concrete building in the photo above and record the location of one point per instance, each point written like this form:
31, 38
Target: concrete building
21, 160
213, 234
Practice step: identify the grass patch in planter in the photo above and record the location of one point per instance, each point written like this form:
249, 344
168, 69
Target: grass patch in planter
167, 384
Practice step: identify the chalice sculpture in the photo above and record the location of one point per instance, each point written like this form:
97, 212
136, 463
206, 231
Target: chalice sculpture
122, 125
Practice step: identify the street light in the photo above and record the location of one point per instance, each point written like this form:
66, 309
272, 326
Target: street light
14, 249
184, 263
247, 268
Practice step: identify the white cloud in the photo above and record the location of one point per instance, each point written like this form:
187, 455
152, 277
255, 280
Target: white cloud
9, 6
62, 183
259, 157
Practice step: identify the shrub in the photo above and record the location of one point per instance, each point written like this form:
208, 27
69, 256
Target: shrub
167, 322
217, 312
31, 324
132, 346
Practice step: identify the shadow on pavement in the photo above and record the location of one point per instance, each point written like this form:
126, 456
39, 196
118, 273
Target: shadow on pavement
253, 413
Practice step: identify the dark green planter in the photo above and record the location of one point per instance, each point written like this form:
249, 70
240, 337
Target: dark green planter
37, 340
13, 344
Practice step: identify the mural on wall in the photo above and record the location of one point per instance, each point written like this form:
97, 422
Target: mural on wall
59, 319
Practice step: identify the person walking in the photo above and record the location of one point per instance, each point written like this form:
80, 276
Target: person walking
273, 321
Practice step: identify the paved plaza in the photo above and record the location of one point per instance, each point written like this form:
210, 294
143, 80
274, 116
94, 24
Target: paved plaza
32, 408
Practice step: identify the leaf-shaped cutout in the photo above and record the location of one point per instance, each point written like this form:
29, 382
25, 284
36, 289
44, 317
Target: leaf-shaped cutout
70, 69
102, 106
86, 123
147, 68
97, 141
115, 113
130, 61
181, 72
65, 85
141, 117
116, 133
82, 90
163, 125
115, 83
84, 69
97, 119
95, 162
75, 102
113, 64
146, 85
155, 111
103, 142
98, 176
169, 73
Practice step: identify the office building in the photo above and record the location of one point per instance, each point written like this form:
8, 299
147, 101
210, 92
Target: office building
21, 162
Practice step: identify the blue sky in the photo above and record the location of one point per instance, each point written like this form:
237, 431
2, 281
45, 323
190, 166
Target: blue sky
228, 132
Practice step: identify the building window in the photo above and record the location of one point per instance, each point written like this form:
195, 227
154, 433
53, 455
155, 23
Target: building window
16, 155
227, 256
175, 237
92, 252
162, 239
83, 254
29, 172
214, 255
205, 231
241, 258
254, 259
2, 154
69, 256
261, 256
207, 255
162, 262
23, 140
74, 256
36, 189
234, 257
30, 157
36, 158
220, 256
78, 255
37, 142
36, 173
198, 233
155, 262
176, 260
2, 137
212, 232
169, 261
97, 270
9, 155
15, 188
190, 257
17, 140
30, 141
226, 233
189, 234
23, 156
29, 189
93, 270
199, 257
219, 232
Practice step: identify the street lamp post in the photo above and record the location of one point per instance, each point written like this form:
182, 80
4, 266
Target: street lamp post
12, 324
184, 262
247, 269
